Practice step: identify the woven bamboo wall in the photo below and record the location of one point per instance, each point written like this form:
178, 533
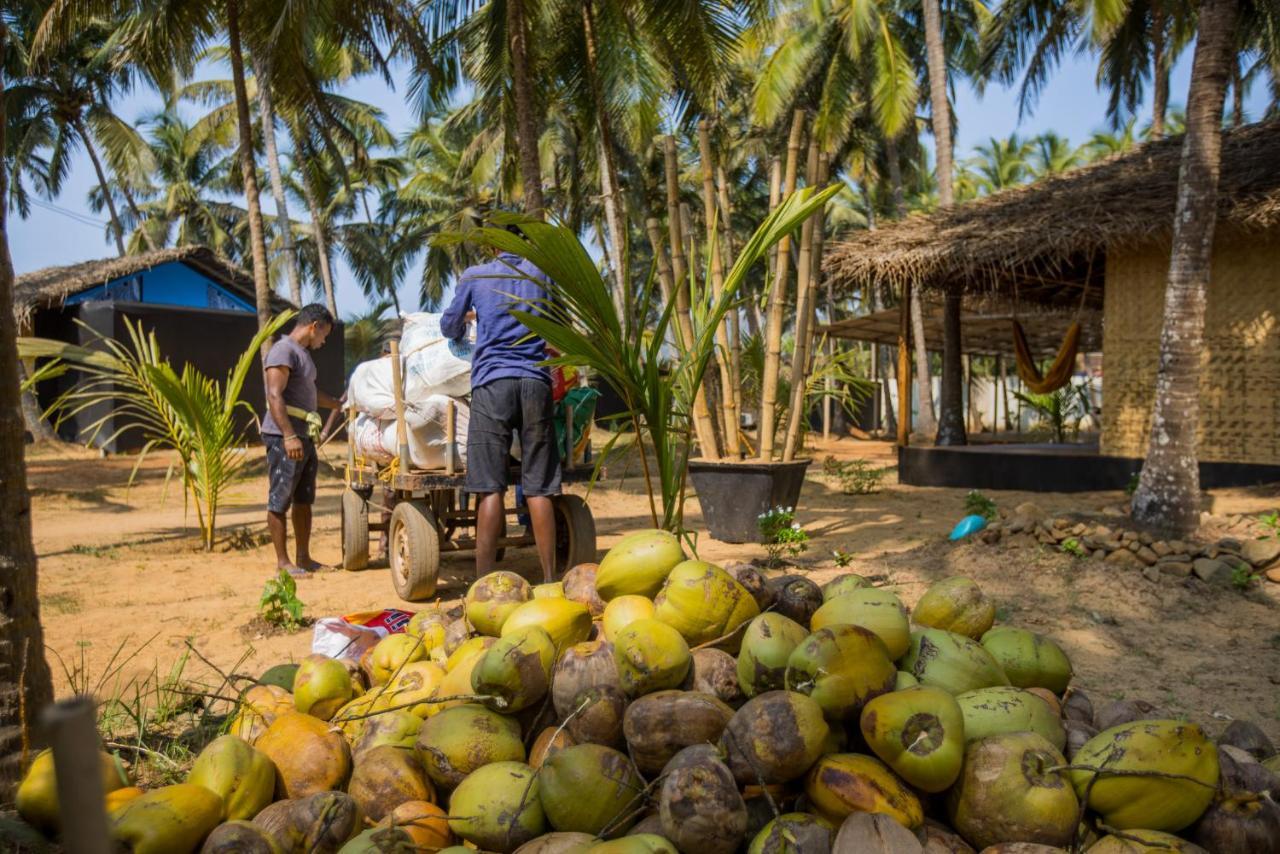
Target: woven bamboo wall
1240, 378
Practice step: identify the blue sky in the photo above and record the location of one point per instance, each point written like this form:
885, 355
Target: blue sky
1070, 105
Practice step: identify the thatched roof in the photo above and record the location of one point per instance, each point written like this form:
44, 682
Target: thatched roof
50, 287
1046, 236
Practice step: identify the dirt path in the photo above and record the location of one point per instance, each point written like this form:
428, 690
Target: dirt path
121, 575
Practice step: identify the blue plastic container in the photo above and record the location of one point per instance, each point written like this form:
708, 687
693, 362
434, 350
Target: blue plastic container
968, 526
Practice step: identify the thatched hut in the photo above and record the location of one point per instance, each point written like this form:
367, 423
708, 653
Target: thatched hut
1098, 237
200, 306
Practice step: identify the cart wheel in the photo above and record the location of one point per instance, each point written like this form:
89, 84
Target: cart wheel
355, 531
575, 533
415, 550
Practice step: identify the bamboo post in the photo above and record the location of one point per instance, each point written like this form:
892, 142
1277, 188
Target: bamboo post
703, 426
568, 433
351, 441
397, 387
727, 248
72, 730
777, 304
665, 279
904, 368
804, 312
724, 356
450, 437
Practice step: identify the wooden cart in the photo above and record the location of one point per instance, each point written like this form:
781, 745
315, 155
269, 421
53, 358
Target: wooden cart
425, 513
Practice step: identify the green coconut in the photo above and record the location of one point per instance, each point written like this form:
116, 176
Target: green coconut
244, 778
498, 807
774, 738
843, 584
766, 645
589, 789
1002, 709
1012, 790
872, 608
651, 656
459, 740
841, 667
794, 833
280, 675
380, 840
398, 728
492, 598
703, 602
919, 732
1028, 659
638, 564
644, 843
956, 605
1138, 796
905, 680
515, 672
322, 686
952, 662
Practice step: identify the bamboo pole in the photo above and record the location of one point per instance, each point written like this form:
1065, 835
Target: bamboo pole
450, 437
804, 316
665, 280
703, 426
724, 356
730, 254
904, 369
72, 731
397, 388
777, 304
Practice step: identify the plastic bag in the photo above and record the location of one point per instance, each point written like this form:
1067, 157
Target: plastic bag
441, 366
968, 526
352, 635
368, 438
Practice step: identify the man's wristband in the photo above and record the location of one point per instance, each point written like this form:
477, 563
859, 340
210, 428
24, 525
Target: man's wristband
291, 436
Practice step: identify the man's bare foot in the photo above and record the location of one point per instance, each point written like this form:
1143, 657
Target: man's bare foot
310, 565
295, 570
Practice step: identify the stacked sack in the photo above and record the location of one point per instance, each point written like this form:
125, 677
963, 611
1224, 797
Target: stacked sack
435, 371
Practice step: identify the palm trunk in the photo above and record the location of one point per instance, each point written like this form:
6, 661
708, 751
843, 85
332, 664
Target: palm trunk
32, 420
284, 224
1168, 494
137, 214
1159, 71
117, 227
249, 173
926, 422
951, 429
724, 351
25, 684
526, 117
703, 426
777, 303
804, 315
730, 255
614, 215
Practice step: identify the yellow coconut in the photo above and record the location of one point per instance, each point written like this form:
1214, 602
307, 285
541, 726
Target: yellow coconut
243, 777
428, 625
1138, 797
469, 648
497, 807
1146, 842
37, 795
622, 611
651, 656
873, 608
842, 667
457, 683
168, 820
351, 719
566, 622
392, 653
426, 824
550, 590
641, 843
766, 646
399, 728
919, 733
703, 602
386, 777
491, 599
844, 783
515, 672
638, 564
957, 605
309, 756
415, 684
321, 687
259, 706
457, 741
120, 798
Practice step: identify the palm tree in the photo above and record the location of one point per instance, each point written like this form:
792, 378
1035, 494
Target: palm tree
1002, 163
27, 686
1168, 493
1053, 155
364, 334
1107, 143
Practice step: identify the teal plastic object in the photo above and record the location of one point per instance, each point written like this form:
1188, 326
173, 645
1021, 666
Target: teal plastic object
967, 526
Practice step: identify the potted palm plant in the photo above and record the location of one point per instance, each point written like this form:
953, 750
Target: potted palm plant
582, 322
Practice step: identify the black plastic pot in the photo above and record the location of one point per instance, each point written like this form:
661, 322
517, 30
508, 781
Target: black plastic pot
733, 495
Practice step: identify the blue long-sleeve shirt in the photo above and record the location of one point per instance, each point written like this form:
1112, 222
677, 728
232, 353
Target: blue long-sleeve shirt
493, 289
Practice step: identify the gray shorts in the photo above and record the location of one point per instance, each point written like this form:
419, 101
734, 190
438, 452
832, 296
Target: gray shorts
499, 410
291, 481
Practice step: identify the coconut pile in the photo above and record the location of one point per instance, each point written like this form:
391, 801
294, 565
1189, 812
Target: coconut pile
658, 704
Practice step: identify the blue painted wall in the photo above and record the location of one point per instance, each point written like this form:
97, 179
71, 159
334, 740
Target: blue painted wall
173, 283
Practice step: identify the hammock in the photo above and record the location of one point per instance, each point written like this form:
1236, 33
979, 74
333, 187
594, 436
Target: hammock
1064, 364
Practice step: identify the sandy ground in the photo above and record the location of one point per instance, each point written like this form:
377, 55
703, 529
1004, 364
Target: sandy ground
122, 577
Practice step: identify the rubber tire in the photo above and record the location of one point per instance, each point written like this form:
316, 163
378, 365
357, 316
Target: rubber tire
575, 533
414, 545
355, 531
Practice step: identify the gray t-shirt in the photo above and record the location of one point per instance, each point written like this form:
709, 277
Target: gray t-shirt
300, 390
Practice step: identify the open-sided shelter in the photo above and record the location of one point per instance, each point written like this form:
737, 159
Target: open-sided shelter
1099, 237
200, 306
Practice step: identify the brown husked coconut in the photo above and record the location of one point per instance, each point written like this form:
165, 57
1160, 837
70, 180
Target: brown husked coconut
1048, 696
1240, 772
1078, 733
1248, 737
550, 740
1022, 848
1127, 711
322, 823
651, 823
715, 672
658, 726
796, 597
386, 777
774, 738
940, 839
1076, 706
874, 833
755, 582
239, 837
582, 666
1241, 822
580, 586
700, 806
456, 633
599, 720
558, 843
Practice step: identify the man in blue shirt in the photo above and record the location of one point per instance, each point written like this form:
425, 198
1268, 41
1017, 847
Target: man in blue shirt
510, 393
